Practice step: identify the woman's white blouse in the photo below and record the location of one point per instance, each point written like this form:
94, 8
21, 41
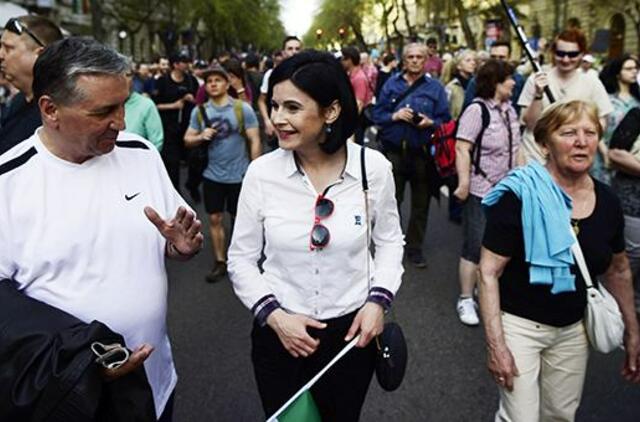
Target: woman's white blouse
276, 210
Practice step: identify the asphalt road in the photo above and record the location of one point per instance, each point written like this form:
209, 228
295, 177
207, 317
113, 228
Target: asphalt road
446, 377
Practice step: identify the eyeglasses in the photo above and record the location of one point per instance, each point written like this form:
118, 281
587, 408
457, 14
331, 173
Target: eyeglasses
15, 26
319, 233
110, 356
570, 54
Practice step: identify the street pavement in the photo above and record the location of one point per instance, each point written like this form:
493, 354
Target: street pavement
446, 376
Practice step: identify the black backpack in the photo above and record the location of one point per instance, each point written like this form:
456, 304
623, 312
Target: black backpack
627, 131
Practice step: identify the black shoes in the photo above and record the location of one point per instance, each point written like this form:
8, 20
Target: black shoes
415, 257
219, 271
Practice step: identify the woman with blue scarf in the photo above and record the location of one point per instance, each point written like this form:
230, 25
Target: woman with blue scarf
532, 297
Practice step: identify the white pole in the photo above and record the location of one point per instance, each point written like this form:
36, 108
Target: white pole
313, 380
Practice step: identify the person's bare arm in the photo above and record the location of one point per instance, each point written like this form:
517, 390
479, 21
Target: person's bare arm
500, 361
463, 168
625, 161
264, 112
619, 282
255, 147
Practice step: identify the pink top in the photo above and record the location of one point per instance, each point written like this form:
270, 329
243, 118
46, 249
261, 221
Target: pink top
494, 153
361, 88
433, 66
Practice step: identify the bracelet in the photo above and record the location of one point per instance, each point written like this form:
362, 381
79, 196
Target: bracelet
239, 91
172, 247
538, 97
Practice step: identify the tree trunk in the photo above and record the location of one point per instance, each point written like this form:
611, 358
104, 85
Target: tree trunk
96, 21
466, 28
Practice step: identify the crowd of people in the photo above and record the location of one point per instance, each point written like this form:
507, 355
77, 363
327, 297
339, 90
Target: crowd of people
309, 154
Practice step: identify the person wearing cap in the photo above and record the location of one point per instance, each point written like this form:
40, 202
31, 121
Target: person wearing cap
586, 66
23, 40
230, 128
175, 96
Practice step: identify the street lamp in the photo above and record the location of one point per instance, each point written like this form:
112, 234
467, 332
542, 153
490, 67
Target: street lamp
318, 33
341, 32
122, 35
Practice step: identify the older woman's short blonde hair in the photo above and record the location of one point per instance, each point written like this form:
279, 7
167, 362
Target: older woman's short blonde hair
561, 113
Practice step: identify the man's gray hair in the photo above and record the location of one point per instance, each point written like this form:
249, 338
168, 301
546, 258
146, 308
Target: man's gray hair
58, 68
420, 46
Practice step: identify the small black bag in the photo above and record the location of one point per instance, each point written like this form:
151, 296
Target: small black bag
199, 156
391, 359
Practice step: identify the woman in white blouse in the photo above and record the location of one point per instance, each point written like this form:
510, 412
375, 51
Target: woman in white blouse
303, 206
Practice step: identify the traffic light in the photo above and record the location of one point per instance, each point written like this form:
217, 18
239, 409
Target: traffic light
341, 32
318, 33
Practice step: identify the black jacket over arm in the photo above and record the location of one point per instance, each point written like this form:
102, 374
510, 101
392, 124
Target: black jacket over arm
47, 369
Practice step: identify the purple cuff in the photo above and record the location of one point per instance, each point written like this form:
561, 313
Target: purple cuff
263, 308
381, 296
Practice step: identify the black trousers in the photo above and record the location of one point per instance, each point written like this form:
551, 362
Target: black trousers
339, 394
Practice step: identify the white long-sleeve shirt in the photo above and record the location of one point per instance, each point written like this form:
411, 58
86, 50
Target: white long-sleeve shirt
276, 209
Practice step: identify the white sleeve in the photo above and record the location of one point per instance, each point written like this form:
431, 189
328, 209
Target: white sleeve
264, 87
387, 235
247, 242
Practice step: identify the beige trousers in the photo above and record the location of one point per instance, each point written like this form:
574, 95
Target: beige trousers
552, 363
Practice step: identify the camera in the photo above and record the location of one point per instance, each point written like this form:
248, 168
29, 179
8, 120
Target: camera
417, 118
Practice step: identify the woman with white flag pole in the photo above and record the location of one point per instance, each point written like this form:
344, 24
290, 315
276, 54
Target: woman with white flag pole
303, 207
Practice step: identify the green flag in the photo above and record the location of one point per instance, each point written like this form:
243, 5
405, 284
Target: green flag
303, 409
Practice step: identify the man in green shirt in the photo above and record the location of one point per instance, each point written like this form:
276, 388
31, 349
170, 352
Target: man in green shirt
141, 117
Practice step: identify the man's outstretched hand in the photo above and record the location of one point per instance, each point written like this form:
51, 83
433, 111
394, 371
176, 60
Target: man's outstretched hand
182, 232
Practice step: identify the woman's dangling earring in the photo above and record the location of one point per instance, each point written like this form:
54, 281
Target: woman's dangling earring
328, 129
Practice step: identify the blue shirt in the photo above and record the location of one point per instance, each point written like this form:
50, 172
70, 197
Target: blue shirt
228, 158
429, 98
470, 92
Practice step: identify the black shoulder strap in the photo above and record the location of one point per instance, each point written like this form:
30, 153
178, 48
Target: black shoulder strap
203, 116
363, 170
486, 119
409, 90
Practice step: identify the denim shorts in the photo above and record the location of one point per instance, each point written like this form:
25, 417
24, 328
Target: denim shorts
473, 224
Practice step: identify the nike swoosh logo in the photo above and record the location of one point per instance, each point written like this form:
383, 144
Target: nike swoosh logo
129, 198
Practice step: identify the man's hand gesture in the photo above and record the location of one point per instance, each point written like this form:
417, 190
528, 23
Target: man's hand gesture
182, 232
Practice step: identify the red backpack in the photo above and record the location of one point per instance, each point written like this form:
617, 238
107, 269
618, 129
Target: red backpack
443, 144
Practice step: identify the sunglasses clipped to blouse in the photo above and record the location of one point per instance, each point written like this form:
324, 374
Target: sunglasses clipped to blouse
319, 233
17, 27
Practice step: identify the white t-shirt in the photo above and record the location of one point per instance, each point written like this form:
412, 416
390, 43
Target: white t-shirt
75, 236
264, 87
582, 86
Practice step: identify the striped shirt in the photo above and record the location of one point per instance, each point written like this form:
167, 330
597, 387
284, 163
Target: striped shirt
495, 159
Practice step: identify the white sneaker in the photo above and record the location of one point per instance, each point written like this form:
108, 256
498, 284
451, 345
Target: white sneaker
467, 311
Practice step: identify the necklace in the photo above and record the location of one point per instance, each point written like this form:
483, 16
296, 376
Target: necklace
575, 226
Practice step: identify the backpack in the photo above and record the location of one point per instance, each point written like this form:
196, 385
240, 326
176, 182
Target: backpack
200, 155
627, 131
443, 144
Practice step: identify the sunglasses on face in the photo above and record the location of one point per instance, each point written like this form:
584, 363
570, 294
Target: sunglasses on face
319, 233
569, 54
15, 26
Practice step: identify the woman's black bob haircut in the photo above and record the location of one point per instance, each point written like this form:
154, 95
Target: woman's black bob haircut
321, 76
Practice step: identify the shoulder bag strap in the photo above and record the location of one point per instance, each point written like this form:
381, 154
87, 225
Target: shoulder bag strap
582, 264
365, 191
203, 116
409, 90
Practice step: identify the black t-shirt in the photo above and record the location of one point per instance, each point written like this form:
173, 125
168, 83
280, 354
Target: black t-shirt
19, 122
601, 235
175, 122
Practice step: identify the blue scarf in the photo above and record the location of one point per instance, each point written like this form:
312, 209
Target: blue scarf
546, 213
